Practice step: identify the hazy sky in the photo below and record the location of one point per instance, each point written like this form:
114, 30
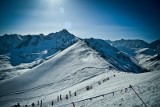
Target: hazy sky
106, 19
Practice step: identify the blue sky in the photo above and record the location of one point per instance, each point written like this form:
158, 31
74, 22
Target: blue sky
106, 19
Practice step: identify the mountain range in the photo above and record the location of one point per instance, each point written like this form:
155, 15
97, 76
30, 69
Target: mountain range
44, 67
19, 53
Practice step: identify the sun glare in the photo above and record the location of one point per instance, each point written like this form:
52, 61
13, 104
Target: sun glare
54, 2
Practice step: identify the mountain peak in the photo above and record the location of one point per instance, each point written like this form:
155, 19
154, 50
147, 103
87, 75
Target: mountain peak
64, 31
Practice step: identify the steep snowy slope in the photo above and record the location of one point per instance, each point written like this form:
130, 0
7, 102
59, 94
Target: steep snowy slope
69, 67
25, 52
148, 58
150, 62
119, 59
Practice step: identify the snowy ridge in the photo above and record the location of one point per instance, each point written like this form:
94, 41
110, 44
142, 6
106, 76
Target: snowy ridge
114, 56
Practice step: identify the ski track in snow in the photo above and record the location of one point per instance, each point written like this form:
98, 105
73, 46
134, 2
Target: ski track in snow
46, 85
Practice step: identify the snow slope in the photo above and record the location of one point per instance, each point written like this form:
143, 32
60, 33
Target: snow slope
151, 62
72, 70
69, 67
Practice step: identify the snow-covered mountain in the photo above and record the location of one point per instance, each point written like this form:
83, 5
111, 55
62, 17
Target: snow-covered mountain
43, 67
155, 45
119, 59
73, 69
24, 49
141, 51
19, 53
129, 46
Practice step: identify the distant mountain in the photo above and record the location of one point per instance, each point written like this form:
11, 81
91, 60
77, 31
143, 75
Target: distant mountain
129, 46
135, 43
141, 51
155, 45
25, 49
